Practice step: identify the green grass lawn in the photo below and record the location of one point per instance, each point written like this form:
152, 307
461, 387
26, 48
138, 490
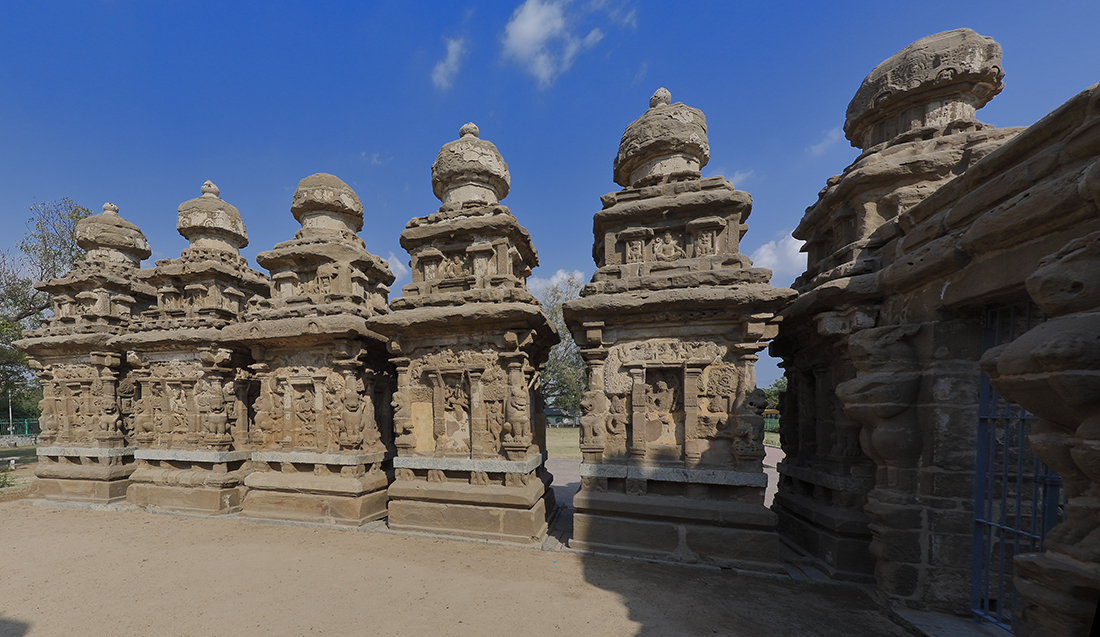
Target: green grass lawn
771, 438
564, 442
25, 455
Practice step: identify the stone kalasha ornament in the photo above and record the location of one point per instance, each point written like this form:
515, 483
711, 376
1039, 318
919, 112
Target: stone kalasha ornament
935, 81
669, 328
87, 401
190, 396
468, 340
321, 424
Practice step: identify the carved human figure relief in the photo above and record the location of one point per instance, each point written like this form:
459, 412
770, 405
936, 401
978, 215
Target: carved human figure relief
635, 251
667, 248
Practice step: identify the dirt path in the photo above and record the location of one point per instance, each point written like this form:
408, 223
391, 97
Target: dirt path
69, 571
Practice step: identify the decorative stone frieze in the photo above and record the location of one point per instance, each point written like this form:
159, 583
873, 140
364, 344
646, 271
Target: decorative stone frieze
669, 328
468, 341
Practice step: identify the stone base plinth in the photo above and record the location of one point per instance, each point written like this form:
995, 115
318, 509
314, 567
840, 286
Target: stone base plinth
451, 505
90, 475
679, 529
198, 500
188, 481
89, 491
837, 540
319, 496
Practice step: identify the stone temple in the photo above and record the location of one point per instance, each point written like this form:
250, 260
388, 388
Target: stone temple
940, 428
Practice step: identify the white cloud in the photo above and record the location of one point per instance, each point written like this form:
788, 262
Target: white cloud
831, 137
740, 176
539, 38
400, 271
782, 257
443, 74
640, 75
619, 12
536, 285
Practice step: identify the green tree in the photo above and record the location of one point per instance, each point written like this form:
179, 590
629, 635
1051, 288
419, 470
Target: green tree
563, 379
777, 387
47, 251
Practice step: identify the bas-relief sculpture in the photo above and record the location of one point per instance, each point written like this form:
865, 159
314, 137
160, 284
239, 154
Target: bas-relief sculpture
468, 341
669, 328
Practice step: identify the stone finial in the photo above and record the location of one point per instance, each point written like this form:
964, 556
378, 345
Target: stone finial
667, 139
934, 81
324, 202
470, 169
209, 222
661, 97
107, 237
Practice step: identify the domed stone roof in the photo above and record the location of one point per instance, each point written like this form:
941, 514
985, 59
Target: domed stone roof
667, 139
470, 169
109, 237
937, 79
209, 222
324, 197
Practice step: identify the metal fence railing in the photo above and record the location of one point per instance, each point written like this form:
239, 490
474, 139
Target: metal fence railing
19, 427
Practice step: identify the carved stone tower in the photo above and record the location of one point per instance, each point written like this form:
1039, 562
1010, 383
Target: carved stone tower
669, 327
468, 340
191, 403
321, 418
88, 403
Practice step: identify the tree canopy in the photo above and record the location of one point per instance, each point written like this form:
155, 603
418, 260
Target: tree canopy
564, 377
772, 391
47, 251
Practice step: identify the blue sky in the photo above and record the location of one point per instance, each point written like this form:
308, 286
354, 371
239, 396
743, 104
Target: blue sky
138, 103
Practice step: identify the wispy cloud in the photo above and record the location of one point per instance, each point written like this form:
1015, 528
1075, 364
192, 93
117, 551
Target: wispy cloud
443, 75
740, 176
830, 137
400, 271
540, 38
782, 257
375, 159
643, 69
620, 12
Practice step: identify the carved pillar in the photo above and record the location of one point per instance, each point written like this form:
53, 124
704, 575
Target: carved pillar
637, 415
692, 449
479, 421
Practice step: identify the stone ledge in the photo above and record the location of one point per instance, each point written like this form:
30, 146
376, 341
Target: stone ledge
310, 457
469, 464
851, 484
463, 493
191, 455
90, 452
716, 512
674, 474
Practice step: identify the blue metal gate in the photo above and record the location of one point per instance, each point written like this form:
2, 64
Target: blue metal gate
1016, 498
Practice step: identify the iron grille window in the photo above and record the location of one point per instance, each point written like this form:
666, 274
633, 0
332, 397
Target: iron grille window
1016, 497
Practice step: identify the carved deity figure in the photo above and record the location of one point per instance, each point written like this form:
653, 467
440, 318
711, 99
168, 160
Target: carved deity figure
704, 243
662, 401
667, 250
594, 418
517, 427
108, 414
634, 251
47, 422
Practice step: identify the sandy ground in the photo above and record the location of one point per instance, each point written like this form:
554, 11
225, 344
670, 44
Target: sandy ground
127, 572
